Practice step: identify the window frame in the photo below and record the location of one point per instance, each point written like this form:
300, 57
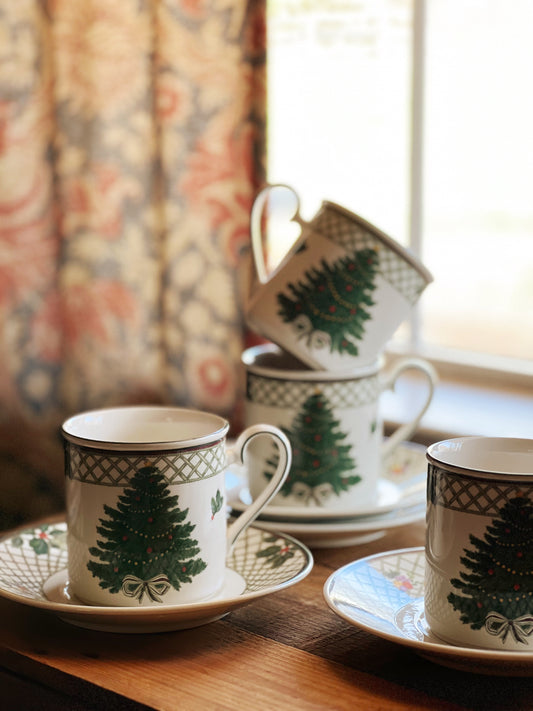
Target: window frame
452, 364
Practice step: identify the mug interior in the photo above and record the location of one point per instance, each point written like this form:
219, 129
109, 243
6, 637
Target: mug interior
488, 455
162, 427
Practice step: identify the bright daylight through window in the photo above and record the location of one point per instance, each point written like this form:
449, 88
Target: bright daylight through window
418, 116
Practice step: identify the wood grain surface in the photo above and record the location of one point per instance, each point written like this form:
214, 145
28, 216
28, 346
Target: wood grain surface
284, 651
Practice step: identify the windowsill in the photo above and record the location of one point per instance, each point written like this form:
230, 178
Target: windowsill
459, 408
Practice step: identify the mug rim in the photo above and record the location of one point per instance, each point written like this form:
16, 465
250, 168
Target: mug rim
444, 454
71, 428
302, 372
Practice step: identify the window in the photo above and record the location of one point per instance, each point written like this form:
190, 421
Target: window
418, 116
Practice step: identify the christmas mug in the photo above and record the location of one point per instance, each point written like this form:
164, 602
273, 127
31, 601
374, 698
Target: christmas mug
479, 543
333, 423
146, 503
339, 293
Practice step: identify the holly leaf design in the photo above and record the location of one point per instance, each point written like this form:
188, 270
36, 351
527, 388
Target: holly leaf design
39, 545
276, 555
216, 503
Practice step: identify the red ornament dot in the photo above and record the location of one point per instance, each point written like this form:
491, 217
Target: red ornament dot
490, 571
507, 530
137, 498
479, 605
351, 266
150, 519
317, 437
332, 309
184, 569
170, 536
353, 311
516, 586
519, 554
321, 287
124, 538
349, 287
149, 549
316, 463
115, 569
308, 419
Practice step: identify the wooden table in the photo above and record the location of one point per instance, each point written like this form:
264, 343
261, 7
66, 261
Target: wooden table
284, 651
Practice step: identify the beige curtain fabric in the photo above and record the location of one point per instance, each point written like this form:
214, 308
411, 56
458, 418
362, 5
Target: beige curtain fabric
131, 137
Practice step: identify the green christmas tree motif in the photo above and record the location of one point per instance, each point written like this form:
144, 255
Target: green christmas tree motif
327, 307
321, 464
146, 545
498, 590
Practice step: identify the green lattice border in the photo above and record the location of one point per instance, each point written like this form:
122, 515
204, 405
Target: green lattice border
483, 497
117, 468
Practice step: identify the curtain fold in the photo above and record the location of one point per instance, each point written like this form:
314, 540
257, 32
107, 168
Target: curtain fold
131, 147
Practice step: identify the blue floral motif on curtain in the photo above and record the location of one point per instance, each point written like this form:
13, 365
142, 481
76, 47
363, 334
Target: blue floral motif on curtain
131, 144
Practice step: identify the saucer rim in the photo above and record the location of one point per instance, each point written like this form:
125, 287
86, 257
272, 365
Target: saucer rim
86, 610
390, 520
436, 649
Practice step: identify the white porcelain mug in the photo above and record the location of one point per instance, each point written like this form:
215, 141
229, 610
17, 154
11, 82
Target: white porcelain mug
339, 293
333, 423
146, 504
479, 542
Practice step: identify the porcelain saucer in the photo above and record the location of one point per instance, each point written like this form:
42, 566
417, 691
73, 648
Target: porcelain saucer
337, 534
402, 483
33, 564
384, 594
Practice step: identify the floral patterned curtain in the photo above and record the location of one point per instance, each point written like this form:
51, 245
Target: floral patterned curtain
131, 137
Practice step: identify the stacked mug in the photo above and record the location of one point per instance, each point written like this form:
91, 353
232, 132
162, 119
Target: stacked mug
327, 312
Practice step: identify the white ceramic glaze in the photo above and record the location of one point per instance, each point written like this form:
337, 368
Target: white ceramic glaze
479, 572
348, 532
384, 595
401, 484
351, 325
334, 425
146, 503
33, 572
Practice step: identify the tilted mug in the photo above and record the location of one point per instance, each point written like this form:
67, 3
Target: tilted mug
339, 293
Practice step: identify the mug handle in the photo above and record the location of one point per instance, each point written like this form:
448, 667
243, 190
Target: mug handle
404, 432
236, 454
256, 231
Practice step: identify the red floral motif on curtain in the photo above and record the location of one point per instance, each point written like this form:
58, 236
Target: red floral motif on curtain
130, 145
